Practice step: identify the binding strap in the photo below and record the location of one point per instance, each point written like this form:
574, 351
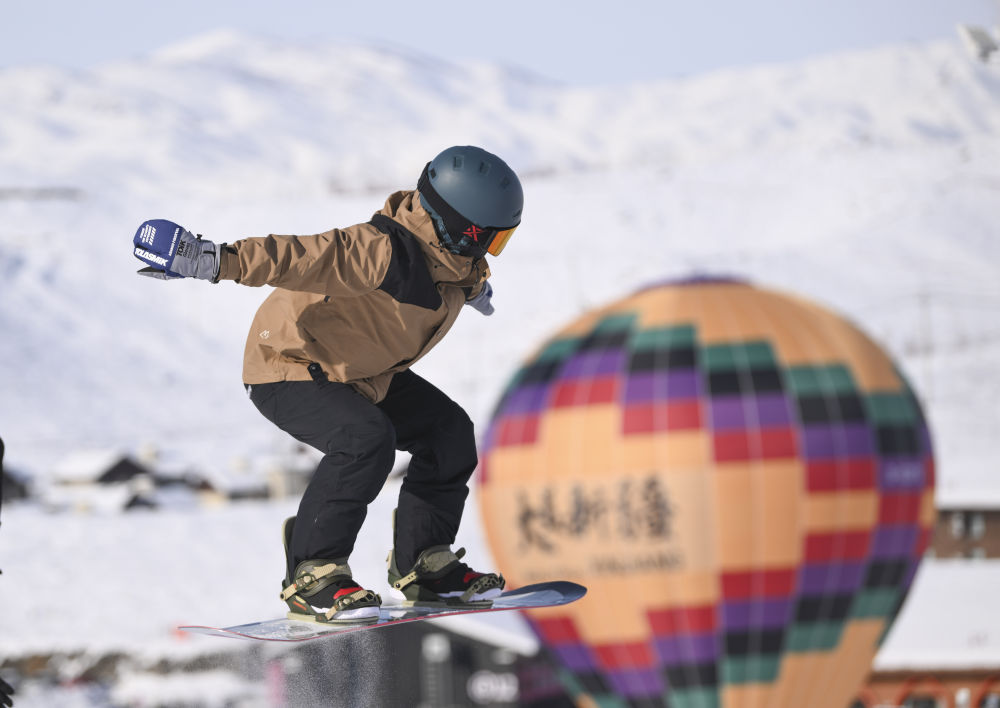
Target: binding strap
431, 562
347, 601
309, 579
482, 584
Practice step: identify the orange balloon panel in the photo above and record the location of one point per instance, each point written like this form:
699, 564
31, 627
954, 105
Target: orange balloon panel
741, 478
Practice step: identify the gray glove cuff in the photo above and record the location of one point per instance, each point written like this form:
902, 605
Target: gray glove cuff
481, 302
196, 258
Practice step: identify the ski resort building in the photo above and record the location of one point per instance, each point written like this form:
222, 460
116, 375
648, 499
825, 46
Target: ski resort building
98, 480
944, 649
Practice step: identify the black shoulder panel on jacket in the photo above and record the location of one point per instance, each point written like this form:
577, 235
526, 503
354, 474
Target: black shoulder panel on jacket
407, 278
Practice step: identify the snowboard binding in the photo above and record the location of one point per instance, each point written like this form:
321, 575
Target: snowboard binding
439, 578
324, 591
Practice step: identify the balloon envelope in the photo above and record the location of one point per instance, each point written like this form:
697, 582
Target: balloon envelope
742, 479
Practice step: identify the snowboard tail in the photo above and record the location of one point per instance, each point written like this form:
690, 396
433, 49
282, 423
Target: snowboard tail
549, 594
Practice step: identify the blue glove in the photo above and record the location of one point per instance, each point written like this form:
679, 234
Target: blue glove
171, 251
481, 302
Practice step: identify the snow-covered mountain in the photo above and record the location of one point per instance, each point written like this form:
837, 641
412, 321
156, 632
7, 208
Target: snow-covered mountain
230, 115
869, 181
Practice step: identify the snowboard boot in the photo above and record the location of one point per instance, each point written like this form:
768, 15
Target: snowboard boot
439, 578
324, 591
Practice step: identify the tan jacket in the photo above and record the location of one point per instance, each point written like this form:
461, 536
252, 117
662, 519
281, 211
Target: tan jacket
360, 302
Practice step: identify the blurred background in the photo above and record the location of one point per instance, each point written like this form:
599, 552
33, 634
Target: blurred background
843, 156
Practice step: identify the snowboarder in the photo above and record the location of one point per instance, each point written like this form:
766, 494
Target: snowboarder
328, 361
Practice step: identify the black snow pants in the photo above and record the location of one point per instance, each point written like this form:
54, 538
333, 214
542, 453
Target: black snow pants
358, 439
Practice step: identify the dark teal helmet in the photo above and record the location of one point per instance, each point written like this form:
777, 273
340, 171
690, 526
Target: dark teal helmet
474, 199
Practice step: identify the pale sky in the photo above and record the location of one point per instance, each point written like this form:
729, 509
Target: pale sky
579, 42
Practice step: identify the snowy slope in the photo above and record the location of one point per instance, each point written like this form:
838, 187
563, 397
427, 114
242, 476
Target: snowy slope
868, 181
865, 180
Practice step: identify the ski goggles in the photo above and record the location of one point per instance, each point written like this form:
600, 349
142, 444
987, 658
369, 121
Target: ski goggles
478, 241
499, 241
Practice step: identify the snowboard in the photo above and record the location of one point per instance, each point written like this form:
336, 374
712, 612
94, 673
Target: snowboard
548, 594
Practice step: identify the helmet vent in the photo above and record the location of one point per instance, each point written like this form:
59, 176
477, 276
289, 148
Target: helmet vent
484, 168
457, 162
504, 183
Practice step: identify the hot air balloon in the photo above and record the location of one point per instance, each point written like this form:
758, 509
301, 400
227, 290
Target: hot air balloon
742, 479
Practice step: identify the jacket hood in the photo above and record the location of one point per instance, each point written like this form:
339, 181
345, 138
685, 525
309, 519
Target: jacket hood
446, 267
